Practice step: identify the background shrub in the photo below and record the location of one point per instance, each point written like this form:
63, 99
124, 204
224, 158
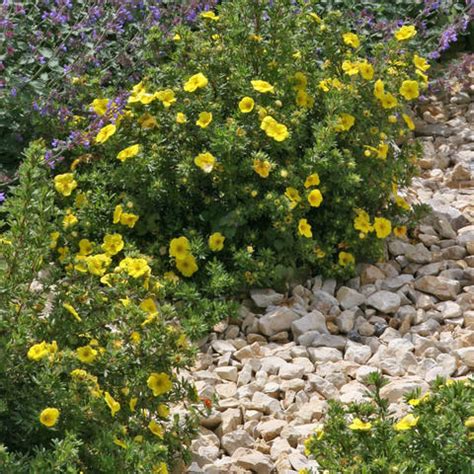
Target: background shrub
90, 360
435, 436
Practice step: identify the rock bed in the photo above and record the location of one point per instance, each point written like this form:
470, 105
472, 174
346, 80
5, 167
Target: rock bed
411, 318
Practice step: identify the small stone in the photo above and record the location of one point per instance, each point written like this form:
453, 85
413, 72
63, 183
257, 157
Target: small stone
345, 321
349, 298
278, 320
324, 354
227, 373
291, 371
231, 419
236, 439
449, 309
337, 342
418, 254
393, 284
266, 297
279, 447
325, 388
442, 288
467, 356
357, 352
222, 347
253, 460
398, 247
269, 430
395, 390
427, 328
313, 321
226, 390
384, 301
323, 301
370, 274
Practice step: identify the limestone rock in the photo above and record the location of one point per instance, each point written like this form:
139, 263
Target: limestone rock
442, 288
278, 320
384, 301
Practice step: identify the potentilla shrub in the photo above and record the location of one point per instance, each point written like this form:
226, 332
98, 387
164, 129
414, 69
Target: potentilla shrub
435, 436
266, 147
90, 357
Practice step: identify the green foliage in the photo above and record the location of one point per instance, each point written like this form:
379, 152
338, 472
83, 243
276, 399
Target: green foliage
76, 343
435, 437
255, 191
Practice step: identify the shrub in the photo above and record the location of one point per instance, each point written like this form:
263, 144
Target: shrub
259, 145
90, 361
436, 436
49, 48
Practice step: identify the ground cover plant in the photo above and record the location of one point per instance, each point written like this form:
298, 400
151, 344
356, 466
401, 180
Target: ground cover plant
435, 436
90, 367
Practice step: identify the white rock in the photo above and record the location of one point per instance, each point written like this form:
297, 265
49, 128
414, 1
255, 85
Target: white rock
231, 419
227, 373
272, 364
279, 447
291, 371
442, 288
270, 429
236, 439
395, 390
357, 352
384, 301
325, 388
253, 460
349, 298
324, 354
364, 371
449, 309
276, 321
467, 356
313, 321
266, 297
345, 321
222, 347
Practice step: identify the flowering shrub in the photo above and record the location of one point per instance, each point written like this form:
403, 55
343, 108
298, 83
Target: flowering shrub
86, 348
268, 141
47, 47
437, 435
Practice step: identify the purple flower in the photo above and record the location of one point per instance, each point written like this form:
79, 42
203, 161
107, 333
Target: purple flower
2, 197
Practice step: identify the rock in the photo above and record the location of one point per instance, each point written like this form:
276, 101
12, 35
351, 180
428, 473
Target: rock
349, 298
236, 439
337, 342
278, 320
364, 371
419, 254
248, 352
393, 284
222, 347
357, 352
279, 447
291, 371
227, 373
266, 297
467, 356
449, 309
324, 354
370, 274
313, 321
427, 328
269, 430
323, 301
253, 460
325, 388
384, 301
442, 288
226, 390
398, 247
456, 252
231, 419
345, 321
395, 390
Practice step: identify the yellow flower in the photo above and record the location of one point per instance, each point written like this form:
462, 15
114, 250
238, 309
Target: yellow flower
133, 403
344, 122
388, 101
113, 244
406, 423
97, 264
293, 195
120, 443
117, 213
400, 231
350, 68
148, 305
420, 63
409, 90
156, 429
129, 219
54, 239
163, 410
179, 248
351, 39
205, 161
358, 425
205, 118
262, 86
416, 401
177, 37
469, 423
111, 403
424, 77
181, 118
65, 183
135, 267
262, 168
198, 81
128, 152
100, 106
405, 33
159, 383
246, 105
72, 310
85, 247
105, 133
366, 70
346, 258
38, 351
304, 228
160, 468
69, 220
166, 96
49, 417
216, 242
315, 198
187, 266
362, 222
86, 354
303, 99
300, 79
147, 121
379, 89
312, 180
273, 129
210, 16
408, 121
382, 227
